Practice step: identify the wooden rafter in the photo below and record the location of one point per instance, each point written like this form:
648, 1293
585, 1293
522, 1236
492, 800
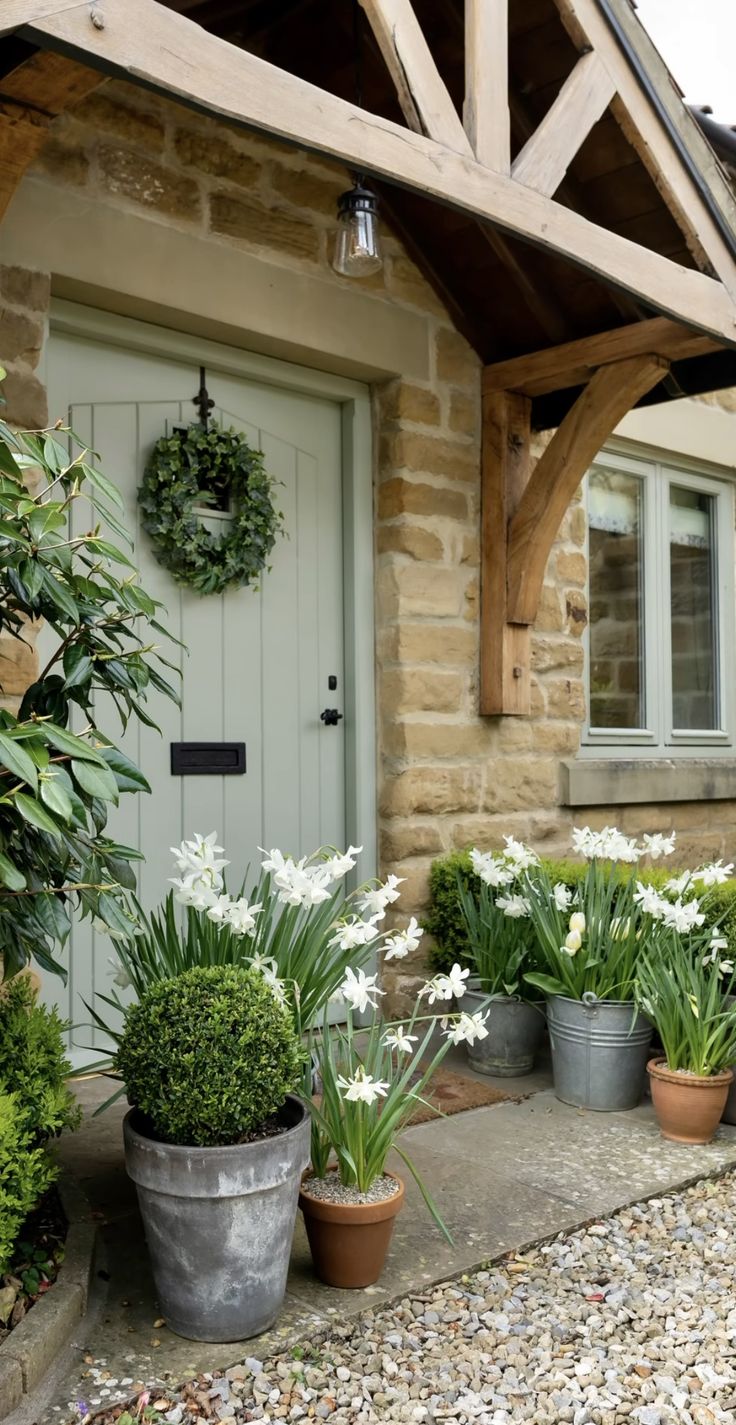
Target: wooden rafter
425, 102
31, 95
574, 362
522, 512
583, 98
139, 39
486, 109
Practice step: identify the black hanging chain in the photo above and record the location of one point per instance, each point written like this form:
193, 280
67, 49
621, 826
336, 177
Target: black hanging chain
203, 401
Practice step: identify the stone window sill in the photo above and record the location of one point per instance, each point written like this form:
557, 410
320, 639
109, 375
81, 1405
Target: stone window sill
616, 781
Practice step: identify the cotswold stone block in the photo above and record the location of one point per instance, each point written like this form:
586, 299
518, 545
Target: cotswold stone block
24, 288
446, 740
62, 162
401, 401
429, 454
562, 738
18, 666
25, 398
402, 840
134, 125
415, 690
405, 281
304, 190
576, 525
417, 589
21, 336
565, 699
551, 653
464, 415
262, 226
431, 790
456, 361
409, 539
216, 156
576, 612
407, 497
415, 888
521, 783
571, 567
139, 178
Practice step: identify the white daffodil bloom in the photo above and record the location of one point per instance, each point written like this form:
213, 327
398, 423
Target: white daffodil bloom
491, 869
359, 990
562, 895
650, 900
353, 933
677, 884
120, 976
516, 907
610, 844
197, 893
456, 980
300, 884
276, 986
403, 942
522, 857
397, 1039
658, 845
577, 922
725, 967
715, 874
682, 916
375, 900
199, 854
275, 859
467, 1028
440, 988
242, 917
362, 1088
265, 964
339, 864
694, 1006
219, 910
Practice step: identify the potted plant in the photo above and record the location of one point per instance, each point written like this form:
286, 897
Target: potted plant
590, 942
679, 987
371, 1082
216, 1143
502, 944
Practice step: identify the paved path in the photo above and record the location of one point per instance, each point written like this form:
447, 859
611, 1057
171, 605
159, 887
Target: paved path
505, 1176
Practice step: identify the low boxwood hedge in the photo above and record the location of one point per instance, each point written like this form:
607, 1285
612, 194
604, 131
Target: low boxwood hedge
444, 921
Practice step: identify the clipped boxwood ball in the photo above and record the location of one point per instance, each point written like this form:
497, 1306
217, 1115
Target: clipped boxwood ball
208, 1056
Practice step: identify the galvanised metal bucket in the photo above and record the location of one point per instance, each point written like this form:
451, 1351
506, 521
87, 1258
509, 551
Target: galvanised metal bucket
600, 1050
514, 1031
729, 1112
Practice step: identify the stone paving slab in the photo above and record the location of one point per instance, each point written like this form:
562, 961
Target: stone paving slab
503, 1177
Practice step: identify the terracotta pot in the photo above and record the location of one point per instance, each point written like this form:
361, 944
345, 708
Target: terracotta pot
349, 1241
687, 1106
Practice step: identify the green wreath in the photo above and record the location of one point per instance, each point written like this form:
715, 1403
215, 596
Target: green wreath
193, 467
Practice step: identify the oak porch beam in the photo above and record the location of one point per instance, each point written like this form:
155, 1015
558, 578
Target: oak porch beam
574, 362
424, 99
486, 109
583, 98
505, 648
612, 392
143, 42
31, 95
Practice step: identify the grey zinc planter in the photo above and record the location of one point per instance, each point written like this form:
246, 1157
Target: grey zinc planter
600, 1050
514, 1027
219, 1224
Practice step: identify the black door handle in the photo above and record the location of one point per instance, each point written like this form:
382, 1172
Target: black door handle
330, 717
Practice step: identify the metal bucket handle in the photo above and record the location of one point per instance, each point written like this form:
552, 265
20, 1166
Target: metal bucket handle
590, 1001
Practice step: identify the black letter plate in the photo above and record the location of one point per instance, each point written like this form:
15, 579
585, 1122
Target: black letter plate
207, 759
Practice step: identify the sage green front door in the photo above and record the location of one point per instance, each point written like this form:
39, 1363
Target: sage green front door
259, 666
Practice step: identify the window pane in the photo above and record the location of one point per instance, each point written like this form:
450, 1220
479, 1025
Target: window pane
694, 617
615, 519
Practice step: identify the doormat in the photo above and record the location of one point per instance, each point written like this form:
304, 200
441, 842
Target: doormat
450, 1092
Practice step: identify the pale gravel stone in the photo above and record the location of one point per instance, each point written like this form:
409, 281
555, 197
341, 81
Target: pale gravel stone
330, 1189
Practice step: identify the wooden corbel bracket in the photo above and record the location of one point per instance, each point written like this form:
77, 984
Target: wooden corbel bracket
522, 511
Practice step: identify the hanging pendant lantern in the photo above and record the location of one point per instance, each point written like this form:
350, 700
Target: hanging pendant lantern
357, 247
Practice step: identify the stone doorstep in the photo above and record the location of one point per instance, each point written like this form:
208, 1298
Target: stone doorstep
38, 1339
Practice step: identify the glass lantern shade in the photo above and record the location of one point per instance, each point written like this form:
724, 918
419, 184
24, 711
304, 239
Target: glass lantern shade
357, 246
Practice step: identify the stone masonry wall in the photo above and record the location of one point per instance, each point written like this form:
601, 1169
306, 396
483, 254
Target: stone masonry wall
447, 777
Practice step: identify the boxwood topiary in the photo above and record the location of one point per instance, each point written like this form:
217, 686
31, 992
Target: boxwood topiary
444, 919
209, 1056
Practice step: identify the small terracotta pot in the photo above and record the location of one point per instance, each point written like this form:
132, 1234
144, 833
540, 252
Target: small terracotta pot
349, 1241
688, 1107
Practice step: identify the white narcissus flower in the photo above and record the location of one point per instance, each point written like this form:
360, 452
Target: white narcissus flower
678, 884
219, 910
353, 933
436, 989
516, 907
199, 854
242, 917
397, 1039
650, 900
520, 855
694, 1006
456, 980
492, 869
715, 874
403, 941
358, 990
120, 976
658, 845
339, 864
275, 860
197, 893
362, 1088
682, 915
725, 967
375, 900
562, 895
577, 922
468, 1027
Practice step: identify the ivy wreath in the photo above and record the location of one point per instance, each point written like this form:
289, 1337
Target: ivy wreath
188, 470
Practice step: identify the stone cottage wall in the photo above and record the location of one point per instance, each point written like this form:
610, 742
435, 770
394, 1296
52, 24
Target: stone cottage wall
447, 777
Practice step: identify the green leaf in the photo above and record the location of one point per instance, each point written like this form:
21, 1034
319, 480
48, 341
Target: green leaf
17, 761
77, 665
60, 596
35, 814
101, 482
96, 781
54, 796
68, 742
127, 775
111, 551
547, 983
10, 875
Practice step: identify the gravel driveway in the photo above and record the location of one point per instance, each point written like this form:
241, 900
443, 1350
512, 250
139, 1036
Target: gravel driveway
632, 1319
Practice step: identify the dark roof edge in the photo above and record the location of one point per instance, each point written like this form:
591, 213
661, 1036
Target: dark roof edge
721, 137
687, 134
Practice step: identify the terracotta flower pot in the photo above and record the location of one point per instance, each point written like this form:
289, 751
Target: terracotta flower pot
688, 1107
349, 1240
